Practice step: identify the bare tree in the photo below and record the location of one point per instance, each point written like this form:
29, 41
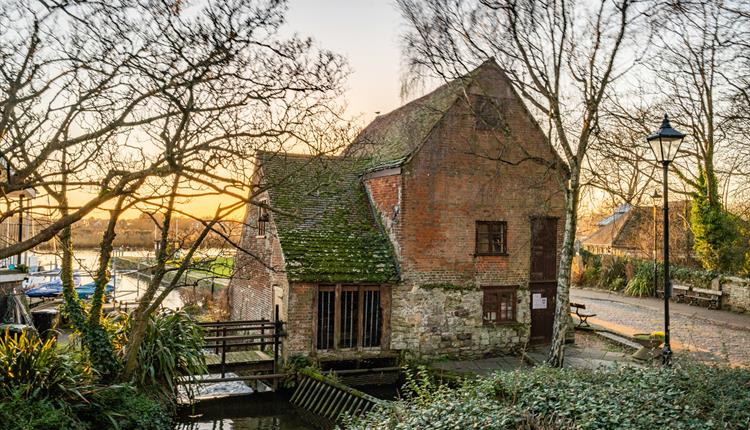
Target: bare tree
146, 105
97, 81
694, 74
562, 57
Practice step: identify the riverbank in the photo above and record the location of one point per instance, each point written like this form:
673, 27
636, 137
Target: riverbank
198, 278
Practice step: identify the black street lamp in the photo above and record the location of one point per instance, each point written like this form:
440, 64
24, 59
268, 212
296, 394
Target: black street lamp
665, 142
655, 201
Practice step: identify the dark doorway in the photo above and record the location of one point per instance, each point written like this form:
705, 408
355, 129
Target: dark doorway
543, 278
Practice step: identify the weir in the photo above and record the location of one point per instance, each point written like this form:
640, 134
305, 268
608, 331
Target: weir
328, 400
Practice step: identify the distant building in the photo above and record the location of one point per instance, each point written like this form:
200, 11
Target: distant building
436, 232
629, 232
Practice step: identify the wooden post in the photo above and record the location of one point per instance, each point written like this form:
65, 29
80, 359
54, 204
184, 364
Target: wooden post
224, 351
276, 333
262, 338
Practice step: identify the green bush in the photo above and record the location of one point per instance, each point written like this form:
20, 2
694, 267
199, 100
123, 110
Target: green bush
642, 282
685, 396
124, 408
612, 273
682, 397
635, 276
19, 412
446, 410
38, 369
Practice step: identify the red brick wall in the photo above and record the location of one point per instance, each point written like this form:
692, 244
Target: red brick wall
300, 320
251, 286
385, 195
451, 183
454, 180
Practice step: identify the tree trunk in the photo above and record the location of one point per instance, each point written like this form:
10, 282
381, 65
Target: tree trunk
562, 304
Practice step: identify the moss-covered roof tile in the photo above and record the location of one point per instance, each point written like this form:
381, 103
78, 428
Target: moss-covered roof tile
328, 232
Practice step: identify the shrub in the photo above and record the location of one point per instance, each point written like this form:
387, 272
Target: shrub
38, 369
124, 408
612, 273
18, 412
681, 397
685, 396
171, 347
447, 410
642, 282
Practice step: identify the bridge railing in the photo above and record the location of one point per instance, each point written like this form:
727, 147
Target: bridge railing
222, 337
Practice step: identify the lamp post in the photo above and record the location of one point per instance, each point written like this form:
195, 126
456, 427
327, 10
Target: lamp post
655, 200
665, 142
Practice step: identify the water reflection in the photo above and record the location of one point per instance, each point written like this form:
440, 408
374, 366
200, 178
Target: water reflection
260, 411
287, 422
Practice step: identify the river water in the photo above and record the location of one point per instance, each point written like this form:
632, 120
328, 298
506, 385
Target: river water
128, 288
265, 411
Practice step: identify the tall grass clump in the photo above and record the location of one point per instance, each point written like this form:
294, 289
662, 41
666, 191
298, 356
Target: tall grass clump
171, 348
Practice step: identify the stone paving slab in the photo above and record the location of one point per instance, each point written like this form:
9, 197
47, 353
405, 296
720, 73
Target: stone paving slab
575, 357
706, 334
482, 367
587, 358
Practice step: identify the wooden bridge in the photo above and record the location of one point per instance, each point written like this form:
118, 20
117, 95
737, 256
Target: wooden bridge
251, 347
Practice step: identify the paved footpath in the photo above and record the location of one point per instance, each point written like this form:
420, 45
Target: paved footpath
710, 335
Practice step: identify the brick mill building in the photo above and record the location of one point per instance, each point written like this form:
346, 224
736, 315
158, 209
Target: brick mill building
436, 232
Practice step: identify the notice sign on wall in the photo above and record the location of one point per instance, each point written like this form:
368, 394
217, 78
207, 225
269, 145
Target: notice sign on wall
538, 302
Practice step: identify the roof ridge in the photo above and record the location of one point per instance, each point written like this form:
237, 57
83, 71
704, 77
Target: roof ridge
261, 152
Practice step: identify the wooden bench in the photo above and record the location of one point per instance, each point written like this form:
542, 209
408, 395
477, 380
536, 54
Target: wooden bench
582, 317
711, 298
694, 296
678, 292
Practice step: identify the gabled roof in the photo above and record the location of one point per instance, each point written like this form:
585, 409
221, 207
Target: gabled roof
629, 225
327, 231
619, 212
390, 139
607, 233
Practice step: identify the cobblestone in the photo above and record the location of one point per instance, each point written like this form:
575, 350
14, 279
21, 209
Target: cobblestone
708, 335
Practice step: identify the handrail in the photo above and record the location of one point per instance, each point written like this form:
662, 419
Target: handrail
235, 322
216, 337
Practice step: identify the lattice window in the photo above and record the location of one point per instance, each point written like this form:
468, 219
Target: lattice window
262, 220
499, 305
492, 238
326, 309
488, 111
371, 316
349, 316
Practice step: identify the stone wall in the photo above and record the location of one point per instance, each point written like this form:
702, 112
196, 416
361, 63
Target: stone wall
438, 322
736, 294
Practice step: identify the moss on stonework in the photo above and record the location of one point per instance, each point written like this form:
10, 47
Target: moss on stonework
448, 287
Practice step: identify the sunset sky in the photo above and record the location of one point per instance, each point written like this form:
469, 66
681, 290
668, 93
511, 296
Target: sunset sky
366, 32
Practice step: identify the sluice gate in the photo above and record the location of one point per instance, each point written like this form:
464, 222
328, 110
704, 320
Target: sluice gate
329, 400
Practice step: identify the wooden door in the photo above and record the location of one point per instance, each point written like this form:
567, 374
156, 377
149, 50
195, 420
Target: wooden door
543, 278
